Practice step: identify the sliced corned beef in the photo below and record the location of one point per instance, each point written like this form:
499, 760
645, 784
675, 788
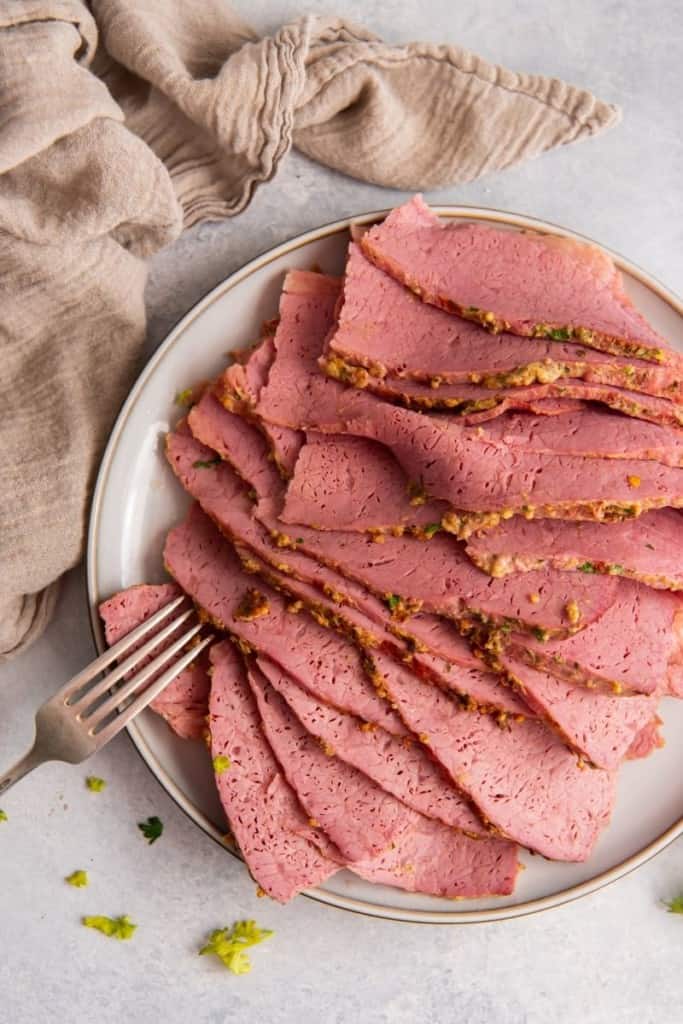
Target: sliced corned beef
404, 769
532, 285
183, 704
283, 852
366, 617
474, 403
350, 483
238, 388
444, 663
647, 549
524, 780
433, 859
647, 741
360, 816
457, 465
384, 328
207, 568
635, 647
600, 727
361, 819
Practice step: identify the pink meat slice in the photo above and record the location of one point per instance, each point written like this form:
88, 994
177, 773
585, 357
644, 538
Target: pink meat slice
283, 852
403, 769
385, 328
208, 569
238, 389
634, 648
646, 549
350, 483
183, 704
524, 780
433, 859
223, 497
602, 728
524, 283
474, 403
361, 819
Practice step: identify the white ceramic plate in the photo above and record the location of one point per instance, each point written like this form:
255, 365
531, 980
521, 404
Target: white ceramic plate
137, 500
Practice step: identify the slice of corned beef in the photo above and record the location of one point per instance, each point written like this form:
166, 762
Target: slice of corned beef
647, 741
436, 860
532, 285
476, 688
283, 852
602, 728
404, 769
524, 780
238, 389
646, 549
457, 465
360, 816
384, 328
591, 432
183, 704
361, 819
207, 568
350, 483
634, 648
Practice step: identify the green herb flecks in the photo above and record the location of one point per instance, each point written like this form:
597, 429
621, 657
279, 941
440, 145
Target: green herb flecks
586, 567
185, 398
541, 635
430, 529
79, 879
393, 602
221, 764
114, 927
230, 945
94, 784
3, 816
151, 829
206, 464
675, 906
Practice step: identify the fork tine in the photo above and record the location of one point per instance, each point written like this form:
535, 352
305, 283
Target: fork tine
122, 670
115, 652
92, 716
147, 696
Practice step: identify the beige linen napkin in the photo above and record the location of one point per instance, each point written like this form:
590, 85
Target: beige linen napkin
123, 120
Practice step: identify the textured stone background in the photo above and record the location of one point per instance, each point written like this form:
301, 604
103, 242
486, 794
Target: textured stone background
614, 957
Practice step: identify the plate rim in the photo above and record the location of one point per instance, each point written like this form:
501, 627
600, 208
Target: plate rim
340, 902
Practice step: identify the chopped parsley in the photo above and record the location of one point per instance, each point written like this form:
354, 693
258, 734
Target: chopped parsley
559, 334
586, 567
79, 879
615, 569
675, 906
94, 784
430, 529
115, 927
230, 945
185, 398
221, 764
393, 602
206, 464
3, 816
151, 829
541, 634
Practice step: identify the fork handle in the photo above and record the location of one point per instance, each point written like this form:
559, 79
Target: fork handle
23, 766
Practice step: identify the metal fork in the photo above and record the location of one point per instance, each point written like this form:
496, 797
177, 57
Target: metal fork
88, 712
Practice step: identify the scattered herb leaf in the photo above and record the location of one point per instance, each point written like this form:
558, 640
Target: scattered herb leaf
208, 464
151, 829
675, 906
586, 567
393, 602
541, 634
115, 927
79, 879
229, 944
3, 816
94, 784
430, 529
185, 398
221, 764
559, 334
